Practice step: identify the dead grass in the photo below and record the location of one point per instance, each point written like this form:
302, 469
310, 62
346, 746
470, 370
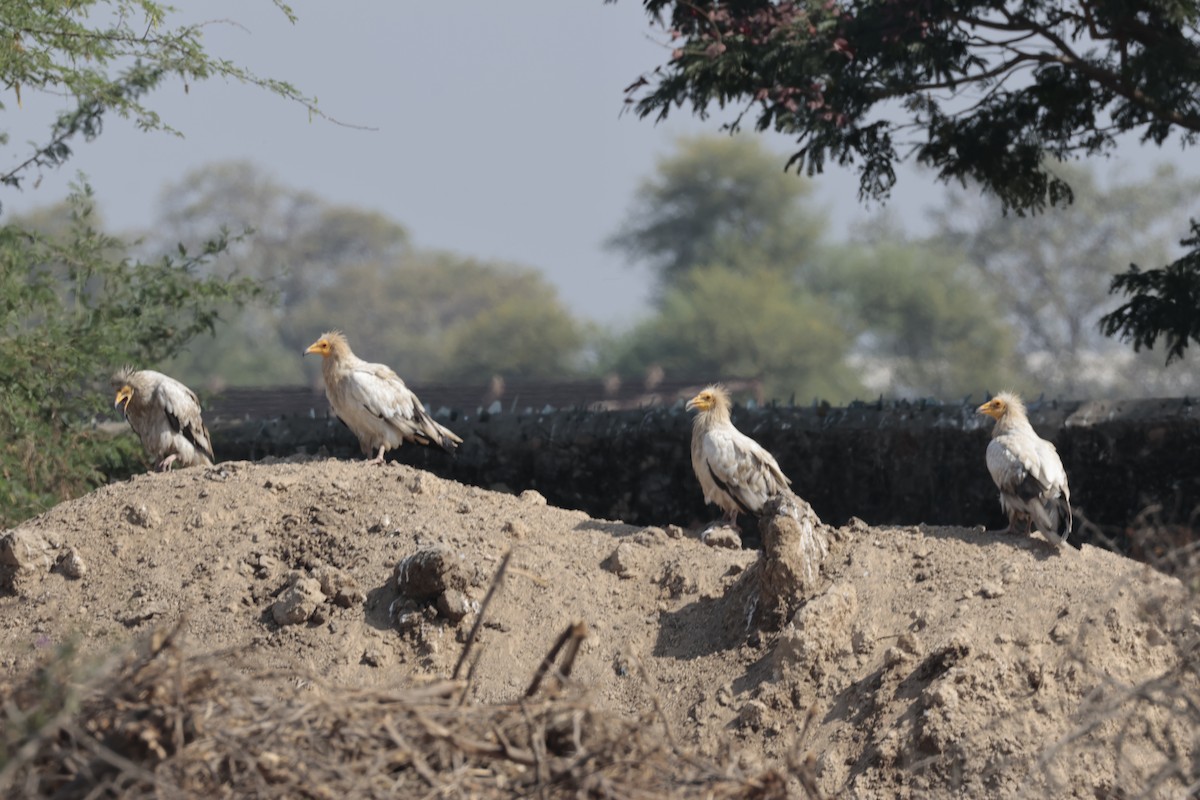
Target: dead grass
168, 723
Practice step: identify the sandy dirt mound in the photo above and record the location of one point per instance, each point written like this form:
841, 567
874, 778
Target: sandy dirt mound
930, 662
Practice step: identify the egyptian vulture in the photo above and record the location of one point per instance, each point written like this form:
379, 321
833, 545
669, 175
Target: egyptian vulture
166, 416
374, 402
1027, 471
734, 471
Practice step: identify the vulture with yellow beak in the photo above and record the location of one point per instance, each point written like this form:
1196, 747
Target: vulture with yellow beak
374, 402
166, 416
1027, 471
734, 471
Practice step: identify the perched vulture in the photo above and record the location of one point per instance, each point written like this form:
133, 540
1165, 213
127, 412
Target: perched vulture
166, 416
734, 471
373, 402
1027, 471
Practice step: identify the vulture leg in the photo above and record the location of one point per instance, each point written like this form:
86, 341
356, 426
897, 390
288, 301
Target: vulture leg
165, 464
379, 458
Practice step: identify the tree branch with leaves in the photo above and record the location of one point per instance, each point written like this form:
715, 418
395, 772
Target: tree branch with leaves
982, 92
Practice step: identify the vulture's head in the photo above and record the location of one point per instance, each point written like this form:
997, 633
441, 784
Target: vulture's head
713, 397
124, 395
122, 381
330, 344
1002, 405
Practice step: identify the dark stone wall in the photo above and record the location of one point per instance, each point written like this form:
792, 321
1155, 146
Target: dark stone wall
884, 463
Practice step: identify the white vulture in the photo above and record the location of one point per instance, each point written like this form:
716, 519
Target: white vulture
1027, 471
374, 402
734, 471
166, 416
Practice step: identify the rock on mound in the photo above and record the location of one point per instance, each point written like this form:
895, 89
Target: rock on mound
930, 662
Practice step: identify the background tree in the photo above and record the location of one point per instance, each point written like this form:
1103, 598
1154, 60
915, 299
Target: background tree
299, 244
718, 200
75, 302
1050, 273
718, 323
430, 315
779, 305
70, 313
437, 316
927, 324
987, 92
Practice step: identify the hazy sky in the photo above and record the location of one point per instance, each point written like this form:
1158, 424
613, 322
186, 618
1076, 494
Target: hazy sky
497, 130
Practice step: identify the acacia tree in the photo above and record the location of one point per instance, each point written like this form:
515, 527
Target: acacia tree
718, 201
74, 302
984, 91
104, 57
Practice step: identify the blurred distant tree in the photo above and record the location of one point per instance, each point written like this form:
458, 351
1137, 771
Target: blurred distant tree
300, 241
718, 323
991, 92
718, 201
437, 316
298, 247
929, 326
1050, 273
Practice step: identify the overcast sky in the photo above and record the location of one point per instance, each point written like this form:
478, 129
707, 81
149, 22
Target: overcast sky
497, 130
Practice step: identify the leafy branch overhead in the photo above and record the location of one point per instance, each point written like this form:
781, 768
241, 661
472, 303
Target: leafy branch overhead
105, 56
989, 92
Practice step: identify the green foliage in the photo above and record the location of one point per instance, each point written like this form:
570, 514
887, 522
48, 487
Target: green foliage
756, 324
101, 57
1163, 302
718, 200
72, 309
985, 92
437, 316
299, 247
429, 315
1050, 273
928, 326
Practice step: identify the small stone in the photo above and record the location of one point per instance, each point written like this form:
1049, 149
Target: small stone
941, 695
341, 587
894, 656
464, 507
723, 537
24, 551
298, 601
621, 562
533, 497
266, 566
427, 573
1062, 632
372, 657
676, 580
754, 715
71, 564
517, 528
909, 643
991, 590
142, 516
453, 605
675, 532
856, 525
648, 537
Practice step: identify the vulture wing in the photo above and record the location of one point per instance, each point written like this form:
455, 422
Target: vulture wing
741, 468
182, 410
